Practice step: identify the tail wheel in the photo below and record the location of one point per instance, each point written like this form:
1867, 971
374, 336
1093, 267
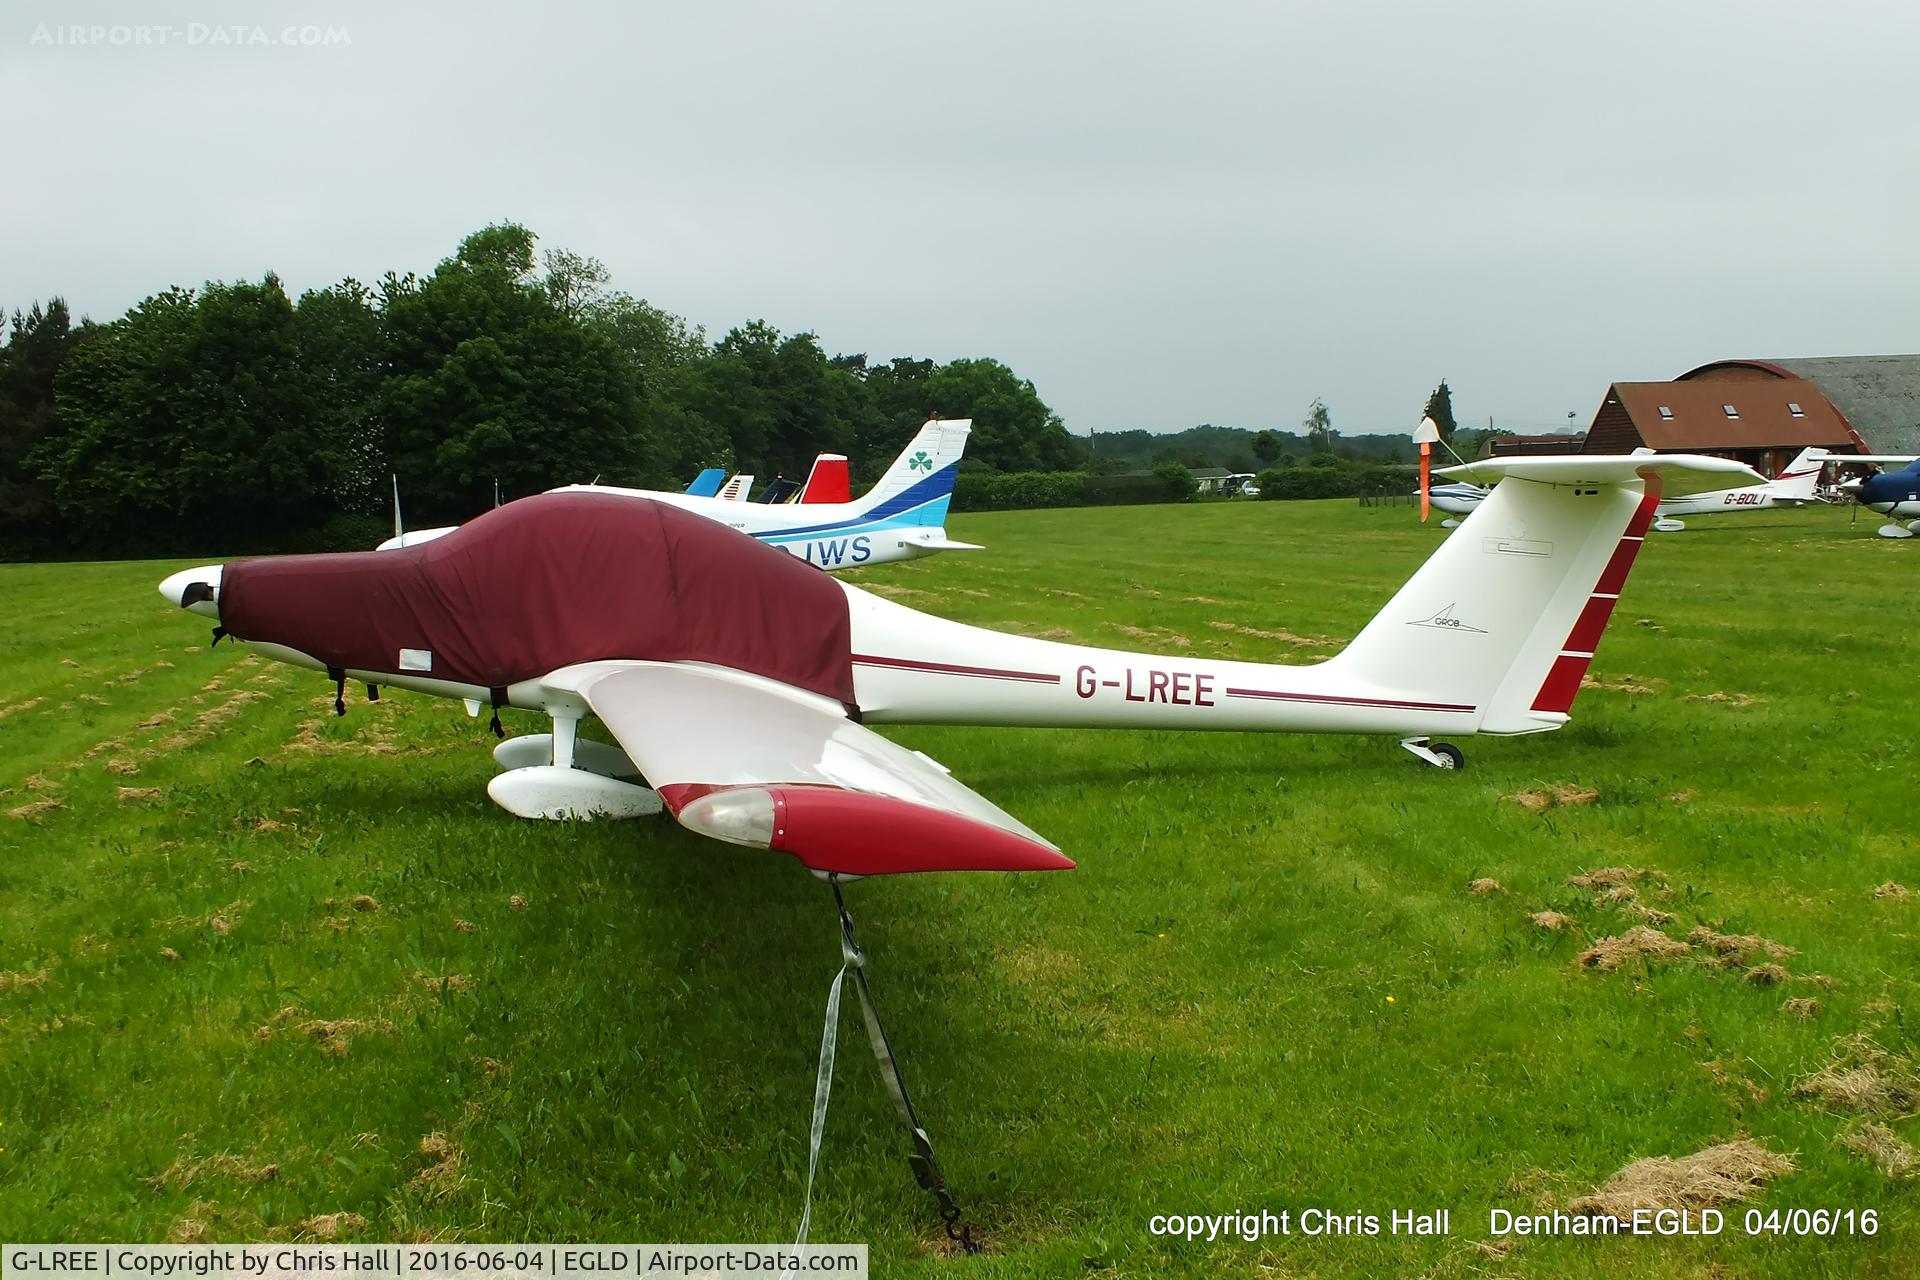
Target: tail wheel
1451, 757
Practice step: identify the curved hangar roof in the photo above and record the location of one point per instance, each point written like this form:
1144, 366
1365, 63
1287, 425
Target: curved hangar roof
1879, 396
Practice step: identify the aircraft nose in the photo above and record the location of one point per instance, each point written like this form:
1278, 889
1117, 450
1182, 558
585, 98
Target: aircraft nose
195, 589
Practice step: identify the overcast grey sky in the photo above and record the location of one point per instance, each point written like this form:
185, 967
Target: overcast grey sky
1162, 214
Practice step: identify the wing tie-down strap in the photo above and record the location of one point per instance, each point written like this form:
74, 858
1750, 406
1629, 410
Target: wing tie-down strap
926, 1168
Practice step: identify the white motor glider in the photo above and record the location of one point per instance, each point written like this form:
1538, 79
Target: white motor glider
740, 684
1797, 485
903, 517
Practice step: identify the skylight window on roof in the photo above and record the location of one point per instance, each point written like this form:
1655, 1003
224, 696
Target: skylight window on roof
1794, 408
1666, 414
1730, 411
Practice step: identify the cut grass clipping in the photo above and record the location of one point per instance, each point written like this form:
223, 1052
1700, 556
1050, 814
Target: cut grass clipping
1706, 1179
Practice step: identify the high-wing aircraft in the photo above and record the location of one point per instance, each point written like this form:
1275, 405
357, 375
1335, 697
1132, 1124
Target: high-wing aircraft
1894, 494
903, 517
741, 684
1796, 485
1458, 499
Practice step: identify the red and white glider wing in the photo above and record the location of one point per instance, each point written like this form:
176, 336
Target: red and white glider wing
755, 762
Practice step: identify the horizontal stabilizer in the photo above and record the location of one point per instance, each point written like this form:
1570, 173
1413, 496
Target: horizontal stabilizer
1869, 457
1679, 473
940, 543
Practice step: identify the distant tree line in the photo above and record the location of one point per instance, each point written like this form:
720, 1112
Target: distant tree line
232, 417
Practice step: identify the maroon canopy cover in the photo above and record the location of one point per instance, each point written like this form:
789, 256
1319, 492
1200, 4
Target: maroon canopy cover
549, 581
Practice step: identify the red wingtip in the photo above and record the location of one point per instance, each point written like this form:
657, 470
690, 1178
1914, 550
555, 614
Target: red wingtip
856, 832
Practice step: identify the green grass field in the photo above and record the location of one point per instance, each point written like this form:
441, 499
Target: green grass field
259, 965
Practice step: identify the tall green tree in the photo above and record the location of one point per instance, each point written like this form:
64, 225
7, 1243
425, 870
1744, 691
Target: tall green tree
1267, 447
194, 419
337, 332
488, 377
1317, 426
1440, 409
37, 343
1013, 429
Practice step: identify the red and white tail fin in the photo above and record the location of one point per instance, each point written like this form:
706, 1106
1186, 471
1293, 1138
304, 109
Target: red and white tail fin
1799, 480
828, 481
1507, 613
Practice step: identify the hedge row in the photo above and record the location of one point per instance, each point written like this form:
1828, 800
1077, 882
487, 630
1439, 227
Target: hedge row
1021, 490
1335, 479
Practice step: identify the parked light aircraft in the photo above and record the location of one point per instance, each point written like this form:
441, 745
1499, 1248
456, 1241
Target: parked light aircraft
828, 481
1457, 498
1894, 494
707, 483
1797, 485
740, 684
903, 517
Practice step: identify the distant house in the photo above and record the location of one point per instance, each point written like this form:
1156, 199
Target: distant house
1211, 479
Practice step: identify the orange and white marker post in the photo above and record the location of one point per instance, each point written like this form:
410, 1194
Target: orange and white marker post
1426, 435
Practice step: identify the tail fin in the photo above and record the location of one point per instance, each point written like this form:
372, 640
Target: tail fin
707, 483
736, 489
1799, 480
918, 486
1506, 615
827, 482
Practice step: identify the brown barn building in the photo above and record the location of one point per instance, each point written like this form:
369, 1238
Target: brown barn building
1878, 397
1762, 412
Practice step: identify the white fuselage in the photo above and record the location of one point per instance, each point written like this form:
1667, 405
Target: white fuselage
833, 535
913, 668
1723, 500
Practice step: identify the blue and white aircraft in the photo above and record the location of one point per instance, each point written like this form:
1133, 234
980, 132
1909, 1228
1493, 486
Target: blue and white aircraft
903, 517
1894, 494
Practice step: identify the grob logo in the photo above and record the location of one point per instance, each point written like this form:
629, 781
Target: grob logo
1447, 622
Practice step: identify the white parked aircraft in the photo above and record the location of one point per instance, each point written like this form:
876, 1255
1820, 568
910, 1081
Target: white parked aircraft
1795, 486
903, 517
740, 685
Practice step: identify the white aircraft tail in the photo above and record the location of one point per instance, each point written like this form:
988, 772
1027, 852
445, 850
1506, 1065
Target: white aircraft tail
735, 489
918, 486
1506, 615
1799, 480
